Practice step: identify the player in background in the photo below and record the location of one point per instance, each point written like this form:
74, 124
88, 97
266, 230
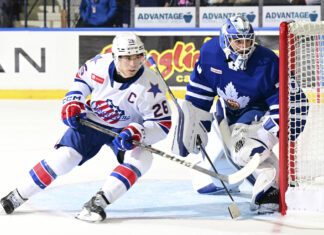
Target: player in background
126, 97
245, 77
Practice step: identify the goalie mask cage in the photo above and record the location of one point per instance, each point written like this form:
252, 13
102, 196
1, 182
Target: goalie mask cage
301, 158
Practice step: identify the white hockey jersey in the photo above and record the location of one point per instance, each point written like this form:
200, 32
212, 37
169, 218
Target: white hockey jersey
141, 100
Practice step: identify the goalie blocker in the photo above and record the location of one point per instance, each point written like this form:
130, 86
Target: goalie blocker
192, 122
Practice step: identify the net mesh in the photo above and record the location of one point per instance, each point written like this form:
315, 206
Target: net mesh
306, 67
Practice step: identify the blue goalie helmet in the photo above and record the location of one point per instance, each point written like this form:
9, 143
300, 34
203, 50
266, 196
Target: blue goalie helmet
237, 40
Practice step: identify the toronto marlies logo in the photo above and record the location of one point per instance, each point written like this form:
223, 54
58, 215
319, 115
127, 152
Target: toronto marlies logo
109, 112
231, 97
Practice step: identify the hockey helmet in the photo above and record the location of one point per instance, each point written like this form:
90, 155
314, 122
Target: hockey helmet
127, 43
237, 28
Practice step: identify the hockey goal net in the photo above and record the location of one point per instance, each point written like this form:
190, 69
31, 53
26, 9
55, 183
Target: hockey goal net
301, 157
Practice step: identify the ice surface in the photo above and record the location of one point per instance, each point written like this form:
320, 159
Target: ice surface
162, 202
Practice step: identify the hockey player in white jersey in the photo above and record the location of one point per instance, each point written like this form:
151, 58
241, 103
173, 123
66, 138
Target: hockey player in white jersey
245, 77
126, 97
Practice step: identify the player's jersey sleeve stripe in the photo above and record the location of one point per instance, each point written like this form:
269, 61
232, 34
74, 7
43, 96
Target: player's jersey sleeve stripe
165, 123
199, 103
275, 116
165, 126
200, 91
158, 119
202, 97
73, 93
274, 112
273, 107
202, 87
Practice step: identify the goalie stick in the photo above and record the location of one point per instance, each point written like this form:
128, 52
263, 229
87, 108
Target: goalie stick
231, 179
233, 208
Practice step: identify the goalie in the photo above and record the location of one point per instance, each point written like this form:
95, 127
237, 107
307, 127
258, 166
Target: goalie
245, 77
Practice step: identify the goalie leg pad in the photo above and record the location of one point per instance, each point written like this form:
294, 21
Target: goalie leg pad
265, 198
192, 122
205, 184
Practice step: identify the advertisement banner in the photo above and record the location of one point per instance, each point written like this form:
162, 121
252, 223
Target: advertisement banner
37, 60
174, 55
165, 17
273, 15
49, 60
214, 17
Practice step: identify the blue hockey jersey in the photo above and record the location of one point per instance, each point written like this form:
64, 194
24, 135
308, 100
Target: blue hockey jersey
256, 88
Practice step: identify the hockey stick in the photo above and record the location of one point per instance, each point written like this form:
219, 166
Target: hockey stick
233, 209
174, 99
231, 179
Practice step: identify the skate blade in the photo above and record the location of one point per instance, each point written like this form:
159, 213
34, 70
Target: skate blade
87, 216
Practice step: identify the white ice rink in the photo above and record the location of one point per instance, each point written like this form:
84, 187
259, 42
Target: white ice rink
161, 203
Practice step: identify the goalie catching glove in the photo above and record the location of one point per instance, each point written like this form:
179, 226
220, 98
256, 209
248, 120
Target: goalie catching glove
192, 122
248, 140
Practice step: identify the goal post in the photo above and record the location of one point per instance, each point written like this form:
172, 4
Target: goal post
301, 145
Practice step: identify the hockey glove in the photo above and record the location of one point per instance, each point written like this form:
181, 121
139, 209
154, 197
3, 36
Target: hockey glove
269, 132
73, 109
192, 122
124, 141
259, 137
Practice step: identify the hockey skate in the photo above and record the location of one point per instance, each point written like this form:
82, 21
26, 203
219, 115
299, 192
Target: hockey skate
10, 202
94, 210
269, 203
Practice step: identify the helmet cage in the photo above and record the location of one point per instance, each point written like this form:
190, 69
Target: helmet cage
230, 38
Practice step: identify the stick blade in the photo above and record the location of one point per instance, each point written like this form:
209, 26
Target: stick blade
247, 170
234, 211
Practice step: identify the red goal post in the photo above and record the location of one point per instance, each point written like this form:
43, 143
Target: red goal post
301, 156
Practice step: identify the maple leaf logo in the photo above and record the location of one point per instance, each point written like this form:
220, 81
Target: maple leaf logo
232, 98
